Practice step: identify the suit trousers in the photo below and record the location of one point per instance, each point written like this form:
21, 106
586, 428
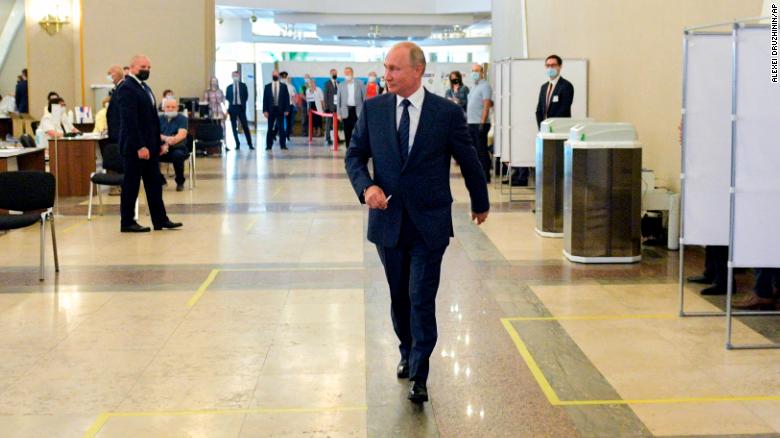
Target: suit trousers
238, 113
177, 155
479, 138
716, 259
289, 121
766, 281
148, 170
413, 271
349, 125
275, 124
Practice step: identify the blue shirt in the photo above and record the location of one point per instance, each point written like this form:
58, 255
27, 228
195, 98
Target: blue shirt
476, 103
171, 127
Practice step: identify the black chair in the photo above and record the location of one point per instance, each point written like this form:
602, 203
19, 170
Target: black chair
112, 160
32, 193
34, 126
206, 135
27, 141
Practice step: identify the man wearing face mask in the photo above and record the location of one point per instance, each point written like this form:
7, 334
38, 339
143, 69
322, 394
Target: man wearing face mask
290, 119
480, 100
139, 141
331, 104
276, 107
352, 93
237, 95
173, 134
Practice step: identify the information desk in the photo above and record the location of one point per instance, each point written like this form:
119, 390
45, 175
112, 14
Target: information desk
71, 161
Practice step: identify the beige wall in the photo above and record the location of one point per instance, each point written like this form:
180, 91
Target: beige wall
178, 36
14, 63
635, 52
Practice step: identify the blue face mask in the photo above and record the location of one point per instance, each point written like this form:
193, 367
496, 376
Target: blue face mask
474, 76
552, 73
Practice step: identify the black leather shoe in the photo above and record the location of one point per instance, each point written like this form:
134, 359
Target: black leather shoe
403, 369
251, 148
168, 224
714, 290
701, 279
135, 228
418, 393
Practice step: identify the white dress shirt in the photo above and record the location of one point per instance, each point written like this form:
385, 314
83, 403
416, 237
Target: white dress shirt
416, 100
351, 94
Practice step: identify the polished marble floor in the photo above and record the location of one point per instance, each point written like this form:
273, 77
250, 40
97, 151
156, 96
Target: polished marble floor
267, 315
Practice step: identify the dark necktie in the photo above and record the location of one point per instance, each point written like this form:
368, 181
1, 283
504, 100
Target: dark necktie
547, 100
149, 92
276, 95
403, 131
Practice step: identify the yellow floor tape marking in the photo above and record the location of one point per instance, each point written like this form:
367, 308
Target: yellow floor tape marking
202, 289
251, 224
103, 418
552, 396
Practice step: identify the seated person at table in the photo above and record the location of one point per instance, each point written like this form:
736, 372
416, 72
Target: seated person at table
101, 121
173, 133
50, 125
7, 105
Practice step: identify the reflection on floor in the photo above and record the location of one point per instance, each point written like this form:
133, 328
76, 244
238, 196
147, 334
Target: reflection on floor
268, 315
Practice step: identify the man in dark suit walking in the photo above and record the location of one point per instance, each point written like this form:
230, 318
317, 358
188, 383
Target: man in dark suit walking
412, 136
276, 106
237, 95
139, 141
331, 105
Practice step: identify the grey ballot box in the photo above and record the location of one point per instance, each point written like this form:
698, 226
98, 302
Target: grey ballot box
602, 194
553, 133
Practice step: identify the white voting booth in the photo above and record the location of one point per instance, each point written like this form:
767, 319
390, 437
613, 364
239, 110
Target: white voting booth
516, 93
730, 182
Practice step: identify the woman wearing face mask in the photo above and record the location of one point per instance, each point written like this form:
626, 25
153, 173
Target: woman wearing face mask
315, 101
458, 92
372, 88
54, 122
167, 94
215, 99
382, 86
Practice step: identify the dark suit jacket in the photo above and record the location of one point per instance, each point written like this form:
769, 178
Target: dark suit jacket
562, 108
243, 93
112, 115
22, 102
422, 185
139, 124
330, 91
268, 98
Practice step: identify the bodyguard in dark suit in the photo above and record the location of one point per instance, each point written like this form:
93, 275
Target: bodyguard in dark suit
331, 96
556, 95
276, 106
112, 112
139, 140
236, 96
412, 136
21, 96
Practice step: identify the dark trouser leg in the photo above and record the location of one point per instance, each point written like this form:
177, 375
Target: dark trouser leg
718, 257
233, 112
305, 121
245, 127
396, 263
766, 280
290, 119
349, 125
150, 172
424, 275
176, 156
520, 176
328, 128
130, 186
269, 134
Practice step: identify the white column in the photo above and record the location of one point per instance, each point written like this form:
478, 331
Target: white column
509, 29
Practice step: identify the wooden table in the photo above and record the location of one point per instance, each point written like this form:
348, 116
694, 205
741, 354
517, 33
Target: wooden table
71, 161
22, 159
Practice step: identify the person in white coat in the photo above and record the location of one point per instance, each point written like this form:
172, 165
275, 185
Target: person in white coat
315, 101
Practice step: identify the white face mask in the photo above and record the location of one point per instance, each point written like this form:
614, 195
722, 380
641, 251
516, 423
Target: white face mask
348, 77
171, 114
57, 112
235, 78
110, 78
372, 79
